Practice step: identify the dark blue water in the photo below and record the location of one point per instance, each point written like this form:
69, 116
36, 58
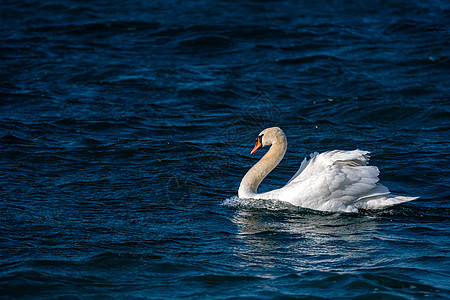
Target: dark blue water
125, 126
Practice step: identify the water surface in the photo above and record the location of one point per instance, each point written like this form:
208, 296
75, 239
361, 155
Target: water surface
125, 129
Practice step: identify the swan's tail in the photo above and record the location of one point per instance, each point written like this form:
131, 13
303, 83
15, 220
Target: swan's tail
384, 201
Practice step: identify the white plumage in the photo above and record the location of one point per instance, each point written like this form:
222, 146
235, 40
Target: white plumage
331, 181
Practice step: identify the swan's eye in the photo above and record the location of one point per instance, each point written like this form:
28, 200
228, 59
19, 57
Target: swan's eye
259, 138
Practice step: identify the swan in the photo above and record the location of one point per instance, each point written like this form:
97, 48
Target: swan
331, 181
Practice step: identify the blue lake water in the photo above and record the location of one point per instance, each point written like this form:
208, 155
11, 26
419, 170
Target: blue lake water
125, 126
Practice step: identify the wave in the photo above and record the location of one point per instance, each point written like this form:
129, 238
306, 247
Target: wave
270, 205
97, 27
306, 59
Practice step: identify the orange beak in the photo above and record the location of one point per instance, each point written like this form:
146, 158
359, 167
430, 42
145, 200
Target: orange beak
257, 146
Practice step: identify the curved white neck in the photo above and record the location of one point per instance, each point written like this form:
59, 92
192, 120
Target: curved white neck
254, 177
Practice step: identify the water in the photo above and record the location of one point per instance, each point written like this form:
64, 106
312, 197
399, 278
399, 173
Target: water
125, 129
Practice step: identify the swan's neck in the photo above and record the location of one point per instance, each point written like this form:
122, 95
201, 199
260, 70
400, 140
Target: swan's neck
254, 177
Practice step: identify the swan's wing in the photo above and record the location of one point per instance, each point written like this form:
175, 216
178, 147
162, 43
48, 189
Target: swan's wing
336, 188
303, 165
319, 162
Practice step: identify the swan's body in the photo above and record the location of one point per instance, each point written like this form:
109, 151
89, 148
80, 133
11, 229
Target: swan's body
331, 181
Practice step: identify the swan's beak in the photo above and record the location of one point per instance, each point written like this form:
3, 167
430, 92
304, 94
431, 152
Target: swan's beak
257, 146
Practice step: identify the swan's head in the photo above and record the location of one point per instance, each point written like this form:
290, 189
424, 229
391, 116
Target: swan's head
268, 137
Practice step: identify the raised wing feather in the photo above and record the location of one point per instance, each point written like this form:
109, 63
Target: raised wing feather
319, 162
335, 188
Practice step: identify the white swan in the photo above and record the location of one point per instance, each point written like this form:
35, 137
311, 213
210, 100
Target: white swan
331, 181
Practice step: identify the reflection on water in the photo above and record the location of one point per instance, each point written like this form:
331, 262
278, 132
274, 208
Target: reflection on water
304, 240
